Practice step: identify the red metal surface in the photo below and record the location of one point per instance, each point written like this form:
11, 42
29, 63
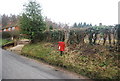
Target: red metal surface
61, 46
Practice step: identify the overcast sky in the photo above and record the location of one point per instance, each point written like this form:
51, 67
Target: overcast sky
70, 11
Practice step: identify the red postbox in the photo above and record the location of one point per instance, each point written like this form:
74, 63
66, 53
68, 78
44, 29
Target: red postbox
61, 46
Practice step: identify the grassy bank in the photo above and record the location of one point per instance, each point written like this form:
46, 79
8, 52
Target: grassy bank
4, 41
95, 62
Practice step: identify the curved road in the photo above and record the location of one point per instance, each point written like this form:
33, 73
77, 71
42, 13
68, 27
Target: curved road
15, 66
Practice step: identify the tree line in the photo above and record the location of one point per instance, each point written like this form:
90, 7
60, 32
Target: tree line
9, 20
81, 25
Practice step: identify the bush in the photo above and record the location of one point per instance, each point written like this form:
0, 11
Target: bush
6, 35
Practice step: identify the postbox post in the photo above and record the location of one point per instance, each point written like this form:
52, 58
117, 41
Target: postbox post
61, 52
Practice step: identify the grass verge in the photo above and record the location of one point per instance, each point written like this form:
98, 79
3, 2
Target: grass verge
4, 41
95, 62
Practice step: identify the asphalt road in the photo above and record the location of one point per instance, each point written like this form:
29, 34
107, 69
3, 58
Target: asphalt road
0, 64
15, 66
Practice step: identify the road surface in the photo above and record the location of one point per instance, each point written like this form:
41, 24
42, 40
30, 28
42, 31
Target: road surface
0, 64
15, 66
